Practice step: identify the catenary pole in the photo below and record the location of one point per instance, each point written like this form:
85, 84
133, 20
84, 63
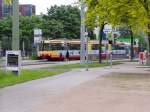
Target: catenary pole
15, 26
82, 35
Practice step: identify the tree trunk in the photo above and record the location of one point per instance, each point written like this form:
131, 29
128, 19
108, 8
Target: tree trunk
100, 41
148, 46
132, 50
0, 48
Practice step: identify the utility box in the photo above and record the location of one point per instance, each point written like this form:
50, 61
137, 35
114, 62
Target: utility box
13, 61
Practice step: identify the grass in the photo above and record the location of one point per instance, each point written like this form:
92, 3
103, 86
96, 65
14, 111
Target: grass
90, 65
1, 60
9, 79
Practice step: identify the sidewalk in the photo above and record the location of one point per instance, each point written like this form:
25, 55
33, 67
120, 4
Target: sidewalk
96, 90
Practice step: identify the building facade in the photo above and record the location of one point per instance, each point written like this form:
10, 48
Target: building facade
24, 9
27, 9
1, 11
6, 10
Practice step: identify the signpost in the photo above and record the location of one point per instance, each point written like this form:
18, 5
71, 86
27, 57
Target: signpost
13, 61
37, 38
107, 29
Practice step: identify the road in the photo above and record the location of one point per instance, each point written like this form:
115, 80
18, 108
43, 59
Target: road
81, 91
36, 64
25, 97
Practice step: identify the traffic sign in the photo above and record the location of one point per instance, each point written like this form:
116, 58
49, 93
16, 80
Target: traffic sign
37, 35
107, 29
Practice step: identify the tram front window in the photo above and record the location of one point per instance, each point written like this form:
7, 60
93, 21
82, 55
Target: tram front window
95, 47
74, 46
56, 47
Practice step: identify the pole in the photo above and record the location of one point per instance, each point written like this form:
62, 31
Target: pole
15, 26
15, 34
82, 35
110, 54
87, 58
23, 48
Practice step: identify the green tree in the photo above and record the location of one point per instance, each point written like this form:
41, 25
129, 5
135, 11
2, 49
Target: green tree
5, 27
52, 28
6, 32
133, 13
27, 26
8, 1
63, 22
94, 19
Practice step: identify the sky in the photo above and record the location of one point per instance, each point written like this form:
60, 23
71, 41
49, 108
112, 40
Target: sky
42, 5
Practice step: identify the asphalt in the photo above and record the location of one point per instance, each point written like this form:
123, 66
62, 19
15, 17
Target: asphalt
29, 96
36, 64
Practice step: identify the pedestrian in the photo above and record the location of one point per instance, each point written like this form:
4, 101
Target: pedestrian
67, 55
141, 56
60, 57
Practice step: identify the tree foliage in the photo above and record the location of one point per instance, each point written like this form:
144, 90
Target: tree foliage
62, 22
135, 13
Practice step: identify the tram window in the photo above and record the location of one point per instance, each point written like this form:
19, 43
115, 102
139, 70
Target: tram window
53, 47
95, 47
46, 47
74, 47
57, 47
118, 48
42, 47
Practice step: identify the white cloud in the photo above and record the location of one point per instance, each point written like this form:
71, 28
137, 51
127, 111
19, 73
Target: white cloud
42, 5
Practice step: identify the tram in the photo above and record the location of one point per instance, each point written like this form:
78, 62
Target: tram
57, 49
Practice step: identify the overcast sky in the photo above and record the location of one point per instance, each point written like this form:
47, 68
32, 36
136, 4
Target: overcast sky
42, 5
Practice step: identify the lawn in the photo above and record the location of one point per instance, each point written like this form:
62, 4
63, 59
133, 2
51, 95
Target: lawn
8, 79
